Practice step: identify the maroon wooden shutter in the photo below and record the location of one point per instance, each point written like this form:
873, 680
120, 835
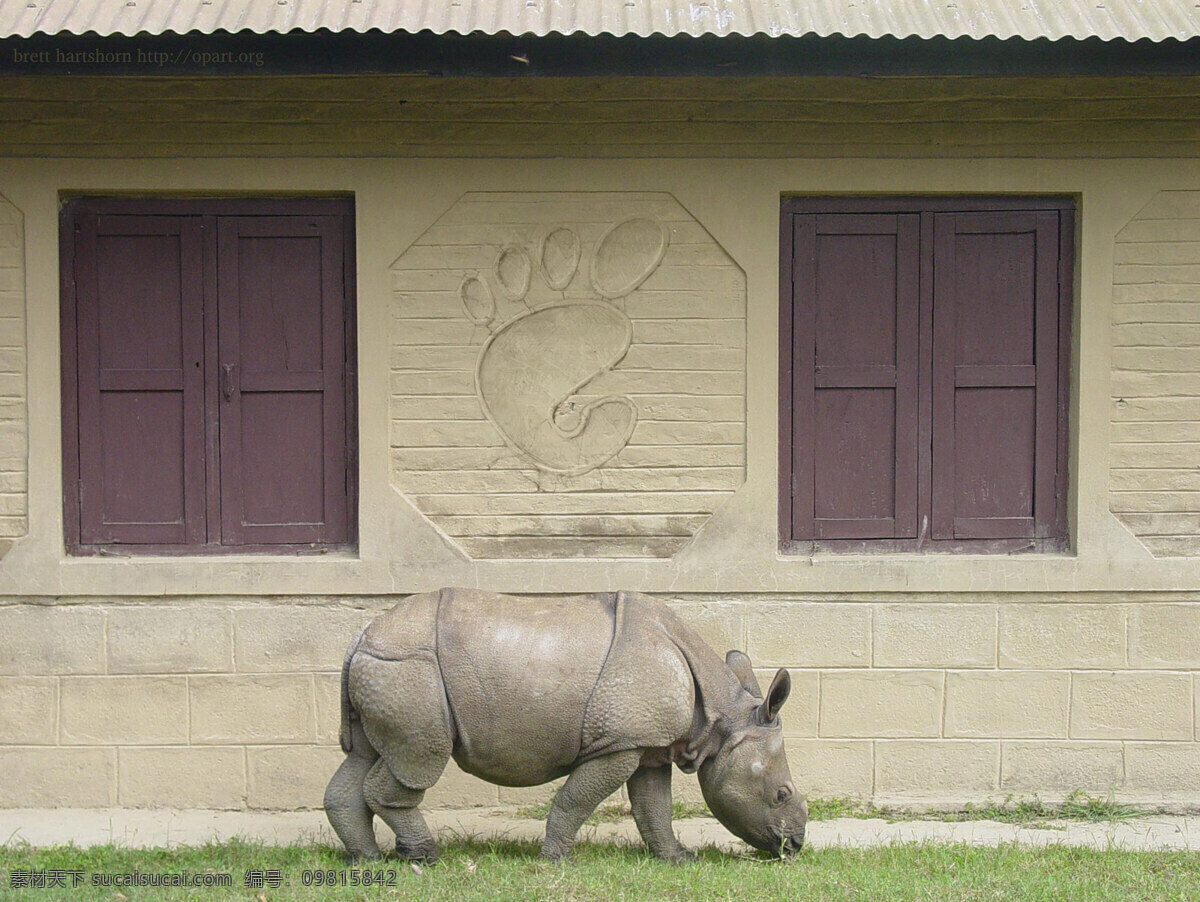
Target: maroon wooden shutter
855, 284
282, 397
139, 340
995, 375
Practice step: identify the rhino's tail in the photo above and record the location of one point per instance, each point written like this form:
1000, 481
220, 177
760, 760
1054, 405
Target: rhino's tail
344, 734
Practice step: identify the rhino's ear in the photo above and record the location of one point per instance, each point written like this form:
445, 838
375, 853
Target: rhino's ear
744, 671
781, 687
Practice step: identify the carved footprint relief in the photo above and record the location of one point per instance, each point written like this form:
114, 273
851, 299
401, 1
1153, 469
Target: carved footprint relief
533, 370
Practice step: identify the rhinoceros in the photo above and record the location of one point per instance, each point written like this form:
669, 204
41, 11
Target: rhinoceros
604, 689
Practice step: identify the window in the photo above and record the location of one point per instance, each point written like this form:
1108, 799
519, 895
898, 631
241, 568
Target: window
208, 377
923, 350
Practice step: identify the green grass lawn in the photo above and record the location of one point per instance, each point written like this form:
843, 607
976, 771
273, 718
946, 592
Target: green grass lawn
499, 869
1030, 812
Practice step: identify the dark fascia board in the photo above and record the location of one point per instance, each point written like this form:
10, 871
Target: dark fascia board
454, 55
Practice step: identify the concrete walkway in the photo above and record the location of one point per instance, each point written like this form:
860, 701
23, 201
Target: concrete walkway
158, 827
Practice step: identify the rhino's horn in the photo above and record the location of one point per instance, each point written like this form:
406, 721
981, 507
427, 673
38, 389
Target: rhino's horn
744, 671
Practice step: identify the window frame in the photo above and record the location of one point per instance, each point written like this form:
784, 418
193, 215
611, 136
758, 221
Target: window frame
200, 207
927, 207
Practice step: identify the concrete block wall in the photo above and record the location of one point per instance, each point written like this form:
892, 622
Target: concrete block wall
232, 703
977, 698
197, 704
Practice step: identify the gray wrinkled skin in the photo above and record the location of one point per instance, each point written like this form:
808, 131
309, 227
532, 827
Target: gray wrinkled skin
606, 690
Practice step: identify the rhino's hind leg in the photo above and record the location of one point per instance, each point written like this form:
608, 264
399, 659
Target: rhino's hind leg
346, 807
588, 785
650, 799
397, 805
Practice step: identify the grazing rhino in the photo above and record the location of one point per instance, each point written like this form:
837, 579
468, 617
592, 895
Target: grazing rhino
604, 689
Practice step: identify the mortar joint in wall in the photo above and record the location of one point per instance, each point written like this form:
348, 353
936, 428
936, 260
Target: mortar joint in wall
1125, 648
874, 768
872, 630
1070, 701
820, 701
114, 788
229, 613
996, 650
316, 715
942, 718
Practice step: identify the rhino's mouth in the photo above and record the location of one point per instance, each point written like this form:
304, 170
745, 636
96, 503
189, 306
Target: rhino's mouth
785, 846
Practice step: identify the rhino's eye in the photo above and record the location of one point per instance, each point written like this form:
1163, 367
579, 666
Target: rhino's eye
782, 795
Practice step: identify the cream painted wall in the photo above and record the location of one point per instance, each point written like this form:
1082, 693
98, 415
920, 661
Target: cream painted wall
14, 495
737, 202
927, 678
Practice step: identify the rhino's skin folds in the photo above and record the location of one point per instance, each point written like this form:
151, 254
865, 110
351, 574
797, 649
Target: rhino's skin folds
518, 678
607, 688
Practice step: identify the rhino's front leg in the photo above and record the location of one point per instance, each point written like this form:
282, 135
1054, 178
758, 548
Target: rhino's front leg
650, 799
396, 804
587, 786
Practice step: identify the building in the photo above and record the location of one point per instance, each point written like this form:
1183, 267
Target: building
866, 334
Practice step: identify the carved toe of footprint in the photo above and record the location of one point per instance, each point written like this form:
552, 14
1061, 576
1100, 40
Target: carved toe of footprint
627, 254
477, 300
560, 257
533, 371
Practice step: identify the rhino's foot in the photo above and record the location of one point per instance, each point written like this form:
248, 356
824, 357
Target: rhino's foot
353, 858
397, 804
679, 856
419, 854
554, 856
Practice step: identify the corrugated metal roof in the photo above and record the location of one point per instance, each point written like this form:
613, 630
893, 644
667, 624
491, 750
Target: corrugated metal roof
1107, 19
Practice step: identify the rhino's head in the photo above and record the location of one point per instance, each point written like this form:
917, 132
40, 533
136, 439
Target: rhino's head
746, 781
